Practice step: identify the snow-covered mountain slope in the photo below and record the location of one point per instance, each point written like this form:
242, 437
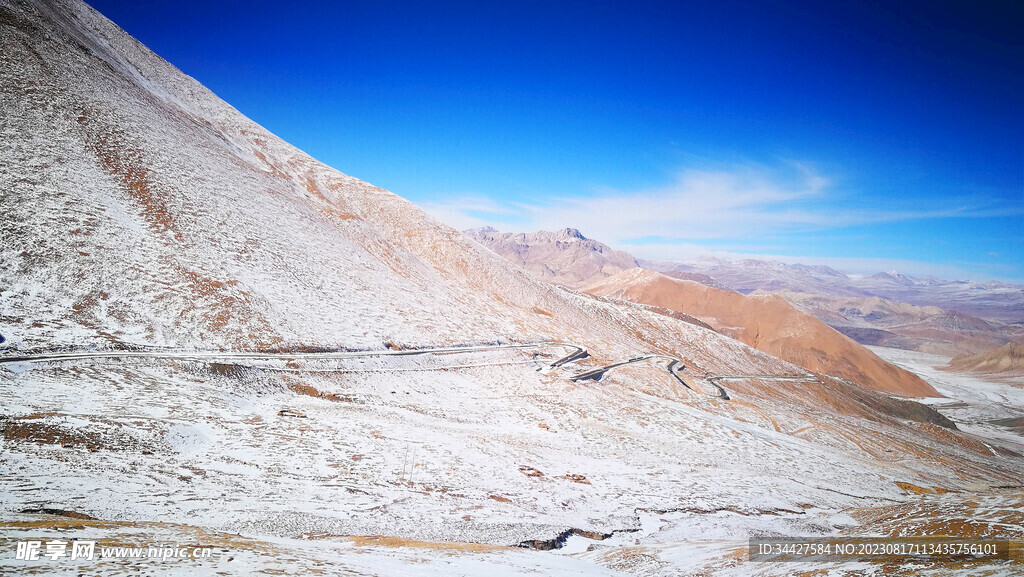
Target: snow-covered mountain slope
138, 210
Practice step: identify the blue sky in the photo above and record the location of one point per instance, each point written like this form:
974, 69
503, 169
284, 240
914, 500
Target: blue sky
863, 135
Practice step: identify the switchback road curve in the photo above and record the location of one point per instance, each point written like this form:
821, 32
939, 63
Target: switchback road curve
673, 366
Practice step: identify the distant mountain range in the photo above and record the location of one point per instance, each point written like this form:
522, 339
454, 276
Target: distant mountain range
887, 309
878, 321
990, 300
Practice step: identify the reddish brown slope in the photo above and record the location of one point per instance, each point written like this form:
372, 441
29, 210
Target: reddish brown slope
769, 324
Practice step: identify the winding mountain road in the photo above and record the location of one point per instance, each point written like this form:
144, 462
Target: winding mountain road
596, 374
576, 352
673, 363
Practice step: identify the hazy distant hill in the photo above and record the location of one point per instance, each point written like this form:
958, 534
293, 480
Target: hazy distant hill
989, 300
565, 257
1009, 357
878, 321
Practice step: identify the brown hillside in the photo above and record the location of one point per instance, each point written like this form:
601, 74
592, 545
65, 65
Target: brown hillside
1009, 357
769, 324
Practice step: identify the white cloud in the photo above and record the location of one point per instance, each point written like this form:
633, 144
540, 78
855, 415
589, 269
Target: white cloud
742, 209
471, 211
747, 202
698, 205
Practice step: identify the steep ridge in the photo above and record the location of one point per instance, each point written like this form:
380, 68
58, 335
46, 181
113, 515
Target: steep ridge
769, 324
140, 209
217, 232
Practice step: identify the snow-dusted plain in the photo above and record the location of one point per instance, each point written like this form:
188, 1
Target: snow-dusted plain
270, 465
140, 211
984, 405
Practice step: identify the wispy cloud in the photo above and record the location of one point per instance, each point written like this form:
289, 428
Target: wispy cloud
472, 211
745, 202
733, 212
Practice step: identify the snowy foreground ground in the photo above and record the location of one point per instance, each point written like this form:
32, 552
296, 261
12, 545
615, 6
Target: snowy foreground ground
417, 470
